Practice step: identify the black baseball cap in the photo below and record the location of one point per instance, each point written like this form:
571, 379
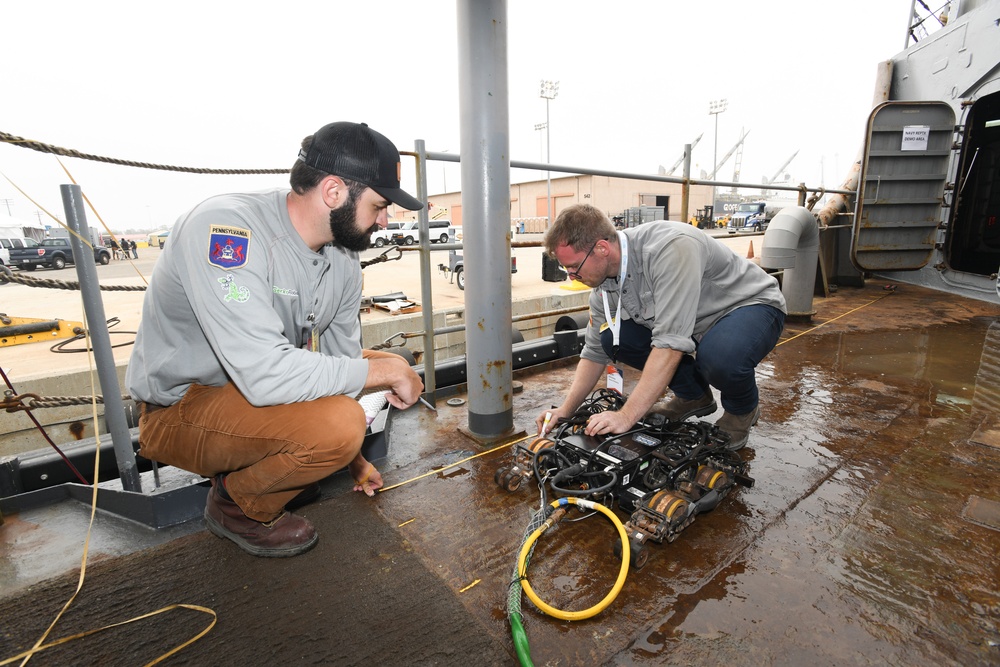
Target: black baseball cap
359, 153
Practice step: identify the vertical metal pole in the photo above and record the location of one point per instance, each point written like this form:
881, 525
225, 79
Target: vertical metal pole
427, 307
548, 174
686, 186
909, 24
86, 271
715, 162
485, 131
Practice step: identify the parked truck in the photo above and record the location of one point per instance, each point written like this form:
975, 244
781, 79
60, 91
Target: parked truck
456, 267
755, 216
380, 237
54, 253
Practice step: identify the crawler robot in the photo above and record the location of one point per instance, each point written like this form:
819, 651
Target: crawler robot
663, 473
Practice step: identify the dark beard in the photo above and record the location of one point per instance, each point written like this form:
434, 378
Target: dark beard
344, 226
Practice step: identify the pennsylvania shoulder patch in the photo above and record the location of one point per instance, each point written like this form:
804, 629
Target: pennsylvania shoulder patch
228, 247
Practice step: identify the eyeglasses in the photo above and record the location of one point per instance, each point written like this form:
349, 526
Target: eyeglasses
575, 273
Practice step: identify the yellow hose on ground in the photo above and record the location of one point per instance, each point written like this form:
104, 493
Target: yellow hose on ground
609, 598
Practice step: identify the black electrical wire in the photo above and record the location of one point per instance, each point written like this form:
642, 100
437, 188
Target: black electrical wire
586, 492
61, 345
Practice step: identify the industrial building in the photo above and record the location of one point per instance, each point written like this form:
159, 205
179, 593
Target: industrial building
612, 195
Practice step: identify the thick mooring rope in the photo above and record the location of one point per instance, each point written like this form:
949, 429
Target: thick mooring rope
7, 276
13, 402
57, 150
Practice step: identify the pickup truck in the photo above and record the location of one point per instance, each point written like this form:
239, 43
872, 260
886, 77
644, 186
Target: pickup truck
54, 253
380, 237
456, 267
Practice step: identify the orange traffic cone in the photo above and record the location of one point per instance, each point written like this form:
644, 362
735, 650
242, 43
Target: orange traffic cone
750, 251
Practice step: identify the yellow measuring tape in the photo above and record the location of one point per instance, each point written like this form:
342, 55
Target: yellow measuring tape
832, 319
456, 463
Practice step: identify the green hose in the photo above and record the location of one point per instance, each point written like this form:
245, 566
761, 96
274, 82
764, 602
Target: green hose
520, 641
517, 632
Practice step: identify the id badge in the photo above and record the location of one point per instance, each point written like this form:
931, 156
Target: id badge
311, 342
312, 338
616, 379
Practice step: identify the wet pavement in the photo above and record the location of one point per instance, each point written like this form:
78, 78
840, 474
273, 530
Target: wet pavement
870, 536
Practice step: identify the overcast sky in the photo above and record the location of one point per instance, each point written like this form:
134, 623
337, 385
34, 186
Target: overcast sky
238, 84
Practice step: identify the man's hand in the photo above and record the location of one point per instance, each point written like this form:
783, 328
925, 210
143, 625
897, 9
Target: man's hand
366, 477
405, 390
586, 376
392, 371
554, 415
609, 423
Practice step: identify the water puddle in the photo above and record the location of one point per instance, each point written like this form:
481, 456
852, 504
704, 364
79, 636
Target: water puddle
850, 547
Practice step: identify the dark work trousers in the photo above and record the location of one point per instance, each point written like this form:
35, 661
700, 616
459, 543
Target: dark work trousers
725, 357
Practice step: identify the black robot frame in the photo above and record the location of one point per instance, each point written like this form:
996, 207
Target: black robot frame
663, 473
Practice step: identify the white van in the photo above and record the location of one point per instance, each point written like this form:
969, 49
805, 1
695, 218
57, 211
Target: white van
409, 233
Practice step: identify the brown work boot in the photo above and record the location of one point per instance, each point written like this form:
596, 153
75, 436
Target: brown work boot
288, 535
738, 427
678, 409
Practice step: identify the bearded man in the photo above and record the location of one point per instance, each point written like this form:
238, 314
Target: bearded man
248, 358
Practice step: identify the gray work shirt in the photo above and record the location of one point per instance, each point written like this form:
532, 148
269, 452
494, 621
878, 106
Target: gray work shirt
680, 282
238, 296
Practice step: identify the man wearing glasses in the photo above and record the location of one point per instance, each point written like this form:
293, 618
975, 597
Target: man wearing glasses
676, 304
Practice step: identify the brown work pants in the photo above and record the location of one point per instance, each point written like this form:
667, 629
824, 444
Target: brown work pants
270, 453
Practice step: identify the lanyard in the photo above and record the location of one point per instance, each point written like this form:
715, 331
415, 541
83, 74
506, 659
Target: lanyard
615, 323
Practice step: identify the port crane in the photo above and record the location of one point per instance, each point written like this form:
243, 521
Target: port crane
779, 170
694, 143
738, 165
728, 155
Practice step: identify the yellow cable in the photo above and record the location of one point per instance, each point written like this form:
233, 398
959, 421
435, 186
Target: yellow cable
40, 644
39, 648
832, 319
609, 598
452, 465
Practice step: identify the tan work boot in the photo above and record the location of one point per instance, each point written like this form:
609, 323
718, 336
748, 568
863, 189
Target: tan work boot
678, 409
738, 427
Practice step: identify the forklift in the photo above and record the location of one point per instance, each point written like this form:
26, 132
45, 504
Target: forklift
703, 217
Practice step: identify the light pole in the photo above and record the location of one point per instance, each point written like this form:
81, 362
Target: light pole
715, 107
549, 91
444, 175
541, 146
